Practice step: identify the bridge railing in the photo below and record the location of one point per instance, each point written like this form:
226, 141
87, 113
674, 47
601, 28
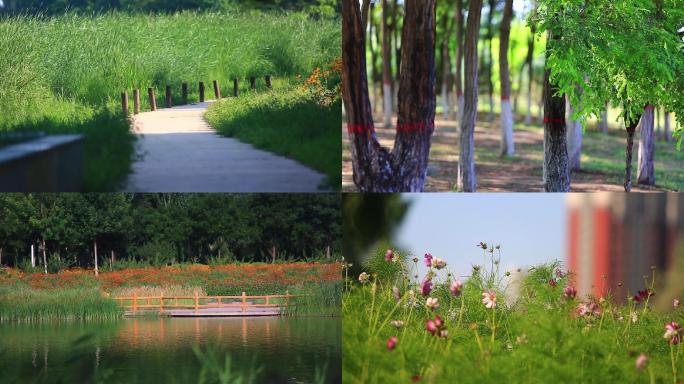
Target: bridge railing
135, 303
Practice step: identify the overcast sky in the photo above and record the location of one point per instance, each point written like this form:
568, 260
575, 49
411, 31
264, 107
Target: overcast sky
531, 227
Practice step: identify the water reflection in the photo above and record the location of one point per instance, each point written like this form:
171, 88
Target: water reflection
152, 349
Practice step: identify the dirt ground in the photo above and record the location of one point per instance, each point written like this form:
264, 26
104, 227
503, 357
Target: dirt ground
602, 160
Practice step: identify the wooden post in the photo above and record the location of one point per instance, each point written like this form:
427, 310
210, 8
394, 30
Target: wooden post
184, 92
153, 101
196, 297
217, 90
161, 302
135, 302
244, 302
268, 81
168, 97
124, 102
252, 83
287, 298
136, 101
201, 91
236, 87
267, 299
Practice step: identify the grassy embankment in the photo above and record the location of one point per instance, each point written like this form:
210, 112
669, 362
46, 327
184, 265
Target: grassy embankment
65, 74
297, 121
78, 294
546, 334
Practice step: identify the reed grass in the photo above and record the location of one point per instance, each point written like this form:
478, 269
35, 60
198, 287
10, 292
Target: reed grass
23, 304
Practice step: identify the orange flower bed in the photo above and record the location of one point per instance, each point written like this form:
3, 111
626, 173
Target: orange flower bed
217, 278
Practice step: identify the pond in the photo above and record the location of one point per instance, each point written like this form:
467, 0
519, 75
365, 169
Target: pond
155, 350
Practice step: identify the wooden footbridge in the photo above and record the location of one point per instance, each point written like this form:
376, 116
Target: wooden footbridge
206, 306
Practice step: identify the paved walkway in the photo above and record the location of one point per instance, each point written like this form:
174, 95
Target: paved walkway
177, 151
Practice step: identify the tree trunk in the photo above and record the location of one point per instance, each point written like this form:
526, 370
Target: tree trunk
33, 256
405, 168
386, 67
667, 125
459, 60
416, 114
574, 139
490, 59
466, 165
364, 14
397, 53
630, 126
111, 261
603, 124
327, 252
0, 256
374, 58
446, 68
507, 145
645, 171
97, 272
273, 254
44, 256
556, 172
530, 74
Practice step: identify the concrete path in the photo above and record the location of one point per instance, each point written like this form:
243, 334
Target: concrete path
177, 151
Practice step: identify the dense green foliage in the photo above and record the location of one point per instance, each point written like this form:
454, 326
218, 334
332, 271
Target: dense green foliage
290, 121
537, 332
626, 53
159, 229
65, 74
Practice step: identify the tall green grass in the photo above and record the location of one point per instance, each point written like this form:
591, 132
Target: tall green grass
66, 73
324, 299
29, 305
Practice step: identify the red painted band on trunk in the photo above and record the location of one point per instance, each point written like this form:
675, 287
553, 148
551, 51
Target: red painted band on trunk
557, 120
459, 94
414, 127
360, 128
386, 83
504, 98
649, 108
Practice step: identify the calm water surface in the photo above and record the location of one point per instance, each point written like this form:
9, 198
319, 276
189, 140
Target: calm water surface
156, 350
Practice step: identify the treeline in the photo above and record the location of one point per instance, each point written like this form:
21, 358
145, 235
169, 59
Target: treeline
57, 231
314, 7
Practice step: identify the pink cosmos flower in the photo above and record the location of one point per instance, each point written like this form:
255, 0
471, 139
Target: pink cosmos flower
438, 263
396, 293
432, 303
675, 303
426, 287
553, 283
569, 292
489, 299
588, 309
456, 287
641, 361
672, 332
364, 278
392, 342
436, 327
643, 295
431, 326
559, 273
428, 260
389, 255
397, 323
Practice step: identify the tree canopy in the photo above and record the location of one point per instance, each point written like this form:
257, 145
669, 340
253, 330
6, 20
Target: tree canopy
167, 228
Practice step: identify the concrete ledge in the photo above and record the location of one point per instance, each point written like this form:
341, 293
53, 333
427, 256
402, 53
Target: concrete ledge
49, 164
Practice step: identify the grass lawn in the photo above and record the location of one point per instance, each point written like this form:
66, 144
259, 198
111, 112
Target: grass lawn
543, 333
